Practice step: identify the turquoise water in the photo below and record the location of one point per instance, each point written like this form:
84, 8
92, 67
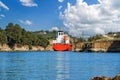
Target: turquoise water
57, 65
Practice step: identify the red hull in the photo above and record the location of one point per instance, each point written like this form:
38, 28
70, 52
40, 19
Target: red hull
62, 47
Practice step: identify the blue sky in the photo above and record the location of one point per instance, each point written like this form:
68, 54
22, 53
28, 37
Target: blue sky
75, 16
43, 16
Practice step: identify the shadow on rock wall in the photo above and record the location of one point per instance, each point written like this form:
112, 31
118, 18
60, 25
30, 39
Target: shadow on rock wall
115, 46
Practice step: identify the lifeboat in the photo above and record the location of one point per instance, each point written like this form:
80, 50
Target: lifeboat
62, 42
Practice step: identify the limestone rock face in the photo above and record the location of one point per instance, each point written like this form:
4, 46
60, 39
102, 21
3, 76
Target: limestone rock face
16, 47
5, 47
102, 78
49, 47
21, 48
27, 48
100, 46
37, 48
106, 78
116, 77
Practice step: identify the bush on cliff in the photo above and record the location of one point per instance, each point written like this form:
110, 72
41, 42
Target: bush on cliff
94, 38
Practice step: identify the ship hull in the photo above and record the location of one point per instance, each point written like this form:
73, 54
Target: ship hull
62, 47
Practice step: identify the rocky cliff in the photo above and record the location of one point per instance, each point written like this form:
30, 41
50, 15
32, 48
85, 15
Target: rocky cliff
106, 78
5, 47
106, 46
99, 46
16, 47
27, 48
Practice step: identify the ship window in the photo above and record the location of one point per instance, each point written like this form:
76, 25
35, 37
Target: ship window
59, 33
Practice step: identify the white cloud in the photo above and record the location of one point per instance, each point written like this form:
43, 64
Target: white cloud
98, 30
3, 5
54, 28
2, 15
28, 3
60, 1
119, 30
60, 7
95, 18
27, 22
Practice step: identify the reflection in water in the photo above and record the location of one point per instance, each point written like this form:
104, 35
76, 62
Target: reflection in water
62, 67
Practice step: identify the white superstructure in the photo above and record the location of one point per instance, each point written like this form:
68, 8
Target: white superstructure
61, 38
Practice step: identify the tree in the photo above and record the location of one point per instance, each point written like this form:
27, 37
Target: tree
81, 39
13, 33
3, 37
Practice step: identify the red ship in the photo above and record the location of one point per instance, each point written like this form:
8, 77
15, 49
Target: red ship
62, 42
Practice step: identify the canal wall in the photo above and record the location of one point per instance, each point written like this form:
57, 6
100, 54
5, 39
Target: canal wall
17, 47
117, 77
106, 46
99, 46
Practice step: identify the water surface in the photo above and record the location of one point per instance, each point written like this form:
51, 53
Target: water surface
57, 65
